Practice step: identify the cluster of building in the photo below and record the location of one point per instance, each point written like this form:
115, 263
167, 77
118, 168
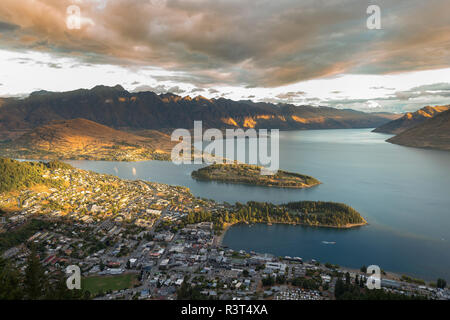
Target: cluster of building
298, 294
111, 227
90, 197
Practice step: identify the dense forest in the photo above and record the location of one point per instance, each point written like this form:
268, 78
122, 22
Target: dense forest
304, 212
16, 175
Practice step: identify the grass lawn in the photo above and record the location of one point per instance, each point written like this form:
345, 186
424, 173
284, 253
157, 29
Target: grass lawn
98, 284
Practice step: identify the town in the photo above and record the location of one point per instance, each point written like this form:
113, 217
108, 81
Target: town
132, 240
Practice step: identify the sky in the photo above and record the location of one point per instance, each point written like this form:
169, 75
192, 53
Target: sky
312, 52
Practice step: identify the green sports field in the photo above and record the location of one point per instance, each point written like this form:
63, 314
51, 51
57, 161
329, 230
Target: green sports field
104, 284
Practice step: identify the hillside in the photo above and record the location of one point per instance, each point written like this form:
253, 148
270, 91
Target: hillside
85, 139
411, 119
15, 175
118, 108
433, 133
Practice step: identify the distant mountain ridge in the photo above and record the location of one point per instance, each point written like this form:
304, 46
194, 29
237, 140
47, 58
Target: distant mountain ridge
433, 133
411, 119
117, 108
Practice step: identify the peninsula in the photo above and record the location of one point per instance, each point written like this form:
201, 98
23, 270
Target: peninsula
308, 213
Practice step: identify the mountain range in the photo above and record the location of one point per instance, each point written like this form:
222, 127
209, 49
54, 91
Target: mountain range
110, 123
117, 108
411, 119
432, 133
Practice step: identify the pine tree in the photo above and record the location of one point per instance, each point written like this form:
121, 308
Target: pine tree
441, 283
347, 279
35, 279
10, 282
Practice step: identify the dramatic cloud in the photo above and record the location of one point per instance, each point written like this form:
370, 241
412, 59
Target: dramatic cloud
399, 101
436, 90
257, 43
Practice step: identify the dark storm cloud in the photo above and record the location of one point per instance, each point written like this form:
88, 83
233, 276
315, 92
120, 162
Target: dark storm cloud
7, 27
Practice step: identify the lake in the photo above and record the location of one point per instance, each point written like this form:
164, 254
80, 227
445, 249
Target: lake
402, 192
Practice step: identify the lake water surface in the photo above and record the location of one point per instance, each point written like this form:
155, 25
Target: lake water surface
404, 194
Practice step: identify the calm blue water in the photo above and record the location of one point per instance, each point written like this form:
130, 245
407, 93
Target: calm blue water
402, 192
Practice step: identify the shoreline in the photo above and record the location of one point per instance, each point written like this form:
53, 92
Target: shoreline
253, 176
32, 158
390, 275
218, 239
256, 184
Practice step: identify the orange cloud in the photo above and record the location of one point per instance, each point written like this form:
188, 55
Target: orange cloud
252, 43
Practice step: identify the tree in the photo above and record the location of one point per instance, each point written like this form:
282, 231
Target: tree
364, 269
102, 265
187, 292
33, 284
280, 279
59, 290
441, 283
86, 295
269, 281
10, 282
339, 288
347, 279
362, 282
35, 278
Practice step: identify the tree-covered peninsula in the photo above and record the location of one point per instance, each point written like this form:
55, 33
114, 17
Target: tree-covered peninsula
311, 213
